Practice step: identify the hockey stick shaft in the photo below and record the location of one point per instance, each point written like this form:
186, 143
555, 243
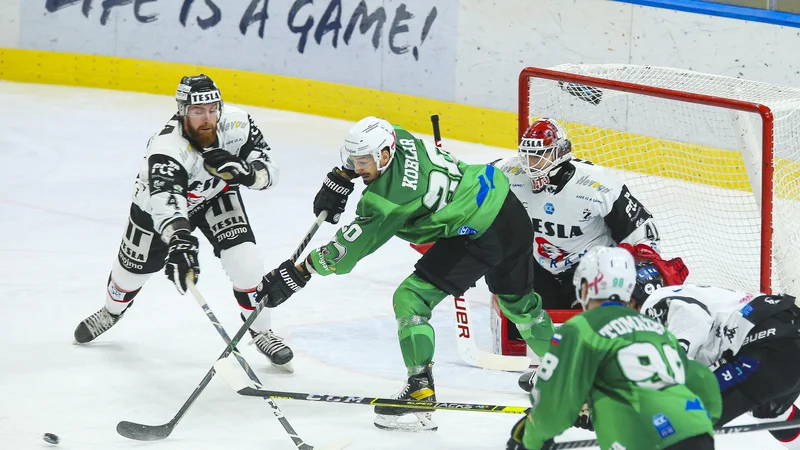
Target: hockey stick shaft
378, 401
149, 432
749, 428
250, 374
229, 372
437, 133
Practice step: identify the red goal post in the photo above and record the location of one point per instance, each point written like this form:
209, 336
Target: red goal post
763, 111
715, 159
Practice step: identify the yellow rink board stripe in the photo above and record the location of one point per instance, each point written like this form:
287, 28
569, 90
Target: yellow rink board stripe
627, 151
460, 122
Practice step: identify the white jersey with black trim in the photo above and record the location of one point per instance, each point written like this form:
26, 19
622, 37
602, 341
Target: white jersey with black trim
173, 181
581, 206
706, 320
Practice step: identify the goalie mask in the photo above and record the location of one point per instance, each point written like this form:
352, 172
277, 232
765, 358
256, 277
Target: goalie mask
368, 137
608, 273
197, 90
543, 146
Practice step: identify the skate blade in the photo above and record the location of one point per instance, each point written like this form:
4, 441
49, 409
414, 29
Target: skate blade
288, 367
413, 422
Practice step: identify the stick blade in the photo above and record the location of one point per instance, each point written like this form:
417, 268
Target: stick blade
140, 432
229, 370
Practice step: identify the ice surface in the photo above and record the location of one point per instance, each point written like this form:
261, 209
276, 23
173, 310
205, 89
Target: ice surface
69, 157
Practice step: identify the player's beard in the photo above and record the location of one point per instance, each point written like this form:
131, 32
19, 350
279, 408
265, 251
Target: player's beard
204, 137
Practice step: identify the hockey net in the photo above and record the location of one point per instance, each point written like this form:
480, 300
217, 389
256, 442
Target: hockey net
715, 159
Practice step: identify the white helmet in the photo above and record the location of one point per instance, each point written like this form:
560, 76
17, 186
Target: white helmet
369, 136
609, 272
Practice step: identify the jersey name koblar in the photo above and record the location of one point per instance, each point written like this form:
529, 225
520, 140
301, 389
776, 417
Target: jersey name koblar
173, 181
706, 320
585, 206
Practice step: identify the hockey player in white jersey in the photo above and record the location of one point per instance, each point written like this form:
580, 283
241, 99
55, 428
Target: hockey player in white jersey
750, 340
190, 178
573, 205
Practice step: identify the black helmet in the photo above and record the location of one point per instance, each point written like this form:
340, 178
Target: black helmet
648, 279
197, 90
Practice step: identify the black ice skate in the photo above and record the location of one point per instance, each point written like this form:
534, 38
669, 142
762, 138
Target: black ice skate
95, 325
420, 388
526, 381
271, 345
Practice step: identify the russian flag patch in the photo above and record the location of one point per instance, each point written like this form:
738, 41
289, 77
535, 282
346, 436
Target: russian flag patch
556, 339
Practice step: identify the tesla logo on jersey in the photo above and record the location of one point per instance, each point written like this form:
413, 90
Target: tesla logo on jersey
555, 229
548, 250
549, 208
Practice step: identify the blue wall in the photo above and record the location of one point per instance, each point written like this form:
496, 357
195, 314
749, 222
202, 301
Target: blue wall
718, 9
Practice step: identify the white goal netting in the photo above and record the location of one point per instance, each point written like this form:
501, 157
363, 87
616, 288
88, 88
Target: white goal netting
697, 167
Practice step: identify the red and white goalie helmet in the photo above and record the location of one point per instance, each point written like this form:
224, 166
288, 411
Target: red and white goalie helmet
543, 146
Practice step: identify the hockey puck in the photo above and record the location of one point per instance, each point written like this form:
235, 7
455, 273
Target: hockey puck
50, 438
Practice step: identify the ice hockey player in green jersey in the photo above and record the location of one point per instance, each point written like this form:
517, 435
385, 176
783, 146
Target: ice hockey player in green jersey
641, 390
422, 194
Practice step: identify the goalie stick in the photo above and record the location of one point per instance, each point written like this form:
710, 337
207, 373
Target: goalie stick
229, 372
141, 432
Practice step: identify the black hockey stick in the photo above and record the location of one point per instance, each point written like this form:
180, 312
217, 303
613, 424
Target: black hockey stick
437, 133
231, 374
749, 428
141, 432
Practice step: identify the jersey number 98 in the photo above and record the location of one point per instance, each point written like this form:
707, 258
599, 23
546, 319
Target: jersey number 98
646, 367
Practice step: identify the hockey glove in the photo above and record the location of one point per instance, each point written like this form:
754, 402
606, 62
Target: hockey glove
182, 260
281, 283
234, 170
673, 271
332, 196
584, 419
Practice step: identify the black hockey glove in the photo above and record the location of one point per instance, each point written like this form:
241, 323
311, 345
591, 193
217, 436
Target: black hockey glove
584, 419
281, 283
234, 170
332, 196
182, 260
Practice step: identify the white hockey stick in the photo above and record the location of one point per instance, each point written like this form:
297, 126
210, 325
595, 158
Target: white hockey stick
469, 352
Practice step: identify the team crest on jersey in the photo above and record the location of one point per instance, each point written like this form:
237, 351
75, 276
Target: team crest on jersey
537, 184
548, 250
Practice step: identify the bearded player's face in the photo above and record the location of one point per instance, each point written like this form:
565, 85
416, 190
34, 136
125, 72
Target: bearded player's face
200, 123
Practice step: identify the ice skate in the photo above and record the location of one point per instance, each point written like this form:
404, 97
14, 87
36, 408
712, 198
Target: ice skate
95, 325
272, 346
420, 388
